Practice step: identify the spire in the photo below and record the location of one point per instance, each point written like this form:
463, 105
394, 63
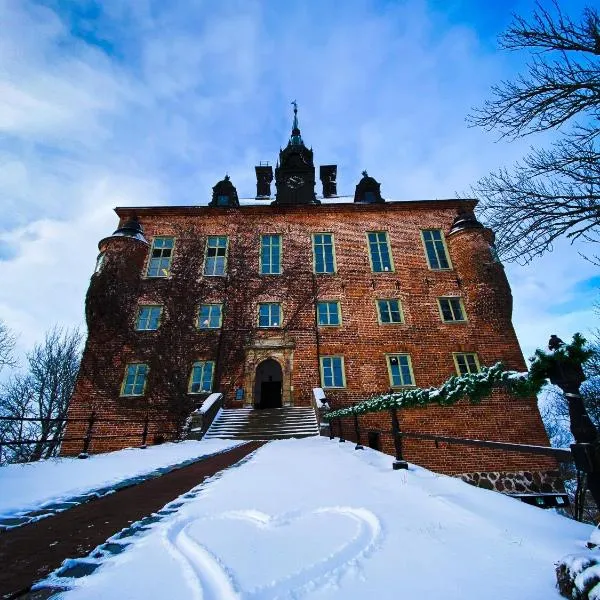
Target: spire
296, 138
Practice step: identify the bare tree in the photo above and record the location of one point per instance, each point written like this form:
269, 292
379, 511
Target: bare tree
42, 393
7, 347
553, 192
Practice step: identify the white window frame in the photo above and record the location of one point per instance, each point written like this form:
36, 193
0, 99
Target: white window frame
437, 254
137, 366
260, 256
400, 310
204, 363
388, 358
462, 308
314, 252
280, 324
389, 249
455, 357
322, 364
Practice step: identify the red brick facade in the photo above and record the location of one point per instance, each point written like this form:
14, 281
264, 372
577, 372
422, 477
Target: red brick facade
238, 345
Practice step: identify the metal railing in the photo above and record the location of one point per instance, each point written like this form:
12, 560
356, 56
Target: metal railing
563, 455
57, 438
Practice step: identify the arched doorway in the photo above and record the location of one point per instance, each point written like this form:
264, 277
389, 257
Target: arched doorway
267, 384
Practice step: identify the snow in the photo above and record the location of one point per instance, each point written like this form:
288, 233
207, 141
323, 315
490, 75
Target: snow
320, 398
316, 518
208, 403
26, 487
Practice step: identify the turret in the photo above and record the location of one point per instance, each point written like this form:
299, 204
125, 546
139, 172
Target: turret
481, 274
119, 270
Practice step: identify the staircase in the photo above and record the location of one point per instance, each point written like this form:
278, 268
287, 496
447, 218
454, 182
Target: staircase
264, 424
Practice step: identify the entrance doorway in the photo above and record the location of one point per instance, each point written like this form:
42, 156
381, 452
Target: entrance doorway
267, 384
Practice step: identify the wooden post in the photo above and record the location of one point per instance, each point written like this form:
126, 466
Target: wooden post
341, 430
399, 463
357, 432
145, 433
88, 435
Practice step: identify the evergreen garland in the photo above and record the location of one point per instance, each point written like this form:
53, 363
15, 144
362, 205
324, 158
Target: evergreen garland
474, 386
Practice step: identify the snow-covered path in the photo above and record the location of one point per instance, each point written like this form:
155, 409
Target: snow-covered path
315, 518
25, 487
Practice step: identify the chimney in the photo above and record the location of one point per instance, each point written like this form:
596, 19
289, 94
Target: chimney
264, 177
328, 175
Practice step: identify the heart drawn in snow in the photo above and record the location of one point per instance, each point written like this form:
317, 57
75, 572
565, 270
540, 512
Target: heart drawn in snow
248, 554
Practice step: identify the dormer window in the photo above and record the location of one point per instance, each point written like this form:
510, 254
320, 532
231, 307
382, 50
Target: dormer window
369, 197
224, 194
368, 190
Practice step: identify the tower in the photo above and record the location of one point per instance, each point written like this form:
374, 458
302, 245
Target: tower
295, 171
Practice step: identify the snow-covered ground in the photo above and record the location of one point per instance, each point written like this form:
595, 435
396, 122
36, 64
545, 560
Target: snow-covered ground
315, 518
26, 487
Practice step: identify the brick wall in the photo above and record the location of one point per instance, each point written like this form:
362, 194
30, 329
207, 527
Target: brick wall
475, 277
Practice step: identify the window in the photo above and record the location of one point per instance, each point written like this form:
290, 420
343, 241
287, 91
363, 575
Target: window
222, 200
134, 383
466, 362
379, 251
270, 255
329, 313
215, 261
452, 309
332, 372
99, 262
201, 377
161, 255
369, 197
389, 312
148, 318
269, 314
323, 253
400, 370
435, 249
209, 316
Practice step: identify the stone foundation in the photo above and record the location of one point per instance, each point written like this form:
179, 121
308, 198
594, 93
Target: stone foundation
519, 482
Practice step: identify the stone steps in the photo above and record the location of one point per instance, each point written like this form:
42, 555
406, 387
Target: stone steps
264, 424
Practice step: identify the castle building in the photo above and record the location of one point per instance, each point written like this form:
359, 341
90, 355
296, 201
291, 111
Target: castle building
264, 300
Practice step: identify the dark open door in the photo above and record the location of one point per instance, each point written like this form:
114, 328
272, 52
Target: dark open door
270, 394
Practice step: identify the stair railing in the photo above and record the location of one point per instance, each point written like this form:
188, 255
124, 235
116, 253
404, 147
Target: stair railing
321, 406
202, 418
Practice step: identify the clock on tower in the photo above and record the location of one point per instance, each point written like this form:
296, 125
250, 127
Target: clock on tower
295, 171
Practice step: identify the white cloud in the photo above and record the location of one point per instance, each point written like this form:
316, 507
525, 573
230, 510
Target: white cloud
154, 102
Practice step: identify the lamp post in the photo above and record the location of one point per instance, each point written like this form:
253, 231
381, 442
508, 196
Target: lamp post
568, 375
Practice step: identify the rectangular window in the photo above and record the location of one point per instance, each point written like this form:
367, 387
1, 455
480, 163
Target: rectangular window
215, 260
389, 312
270, 254
161, 255
269, 314
201, 377
209, 316
400, 370
435, 249
134, 383
148, 318
329, 313
466, 362
379, 251
332, 372
323, 253
452, 310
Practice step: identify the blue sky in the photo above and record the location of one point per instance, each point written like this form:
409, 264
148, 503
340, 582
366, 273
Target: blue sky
125, 102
